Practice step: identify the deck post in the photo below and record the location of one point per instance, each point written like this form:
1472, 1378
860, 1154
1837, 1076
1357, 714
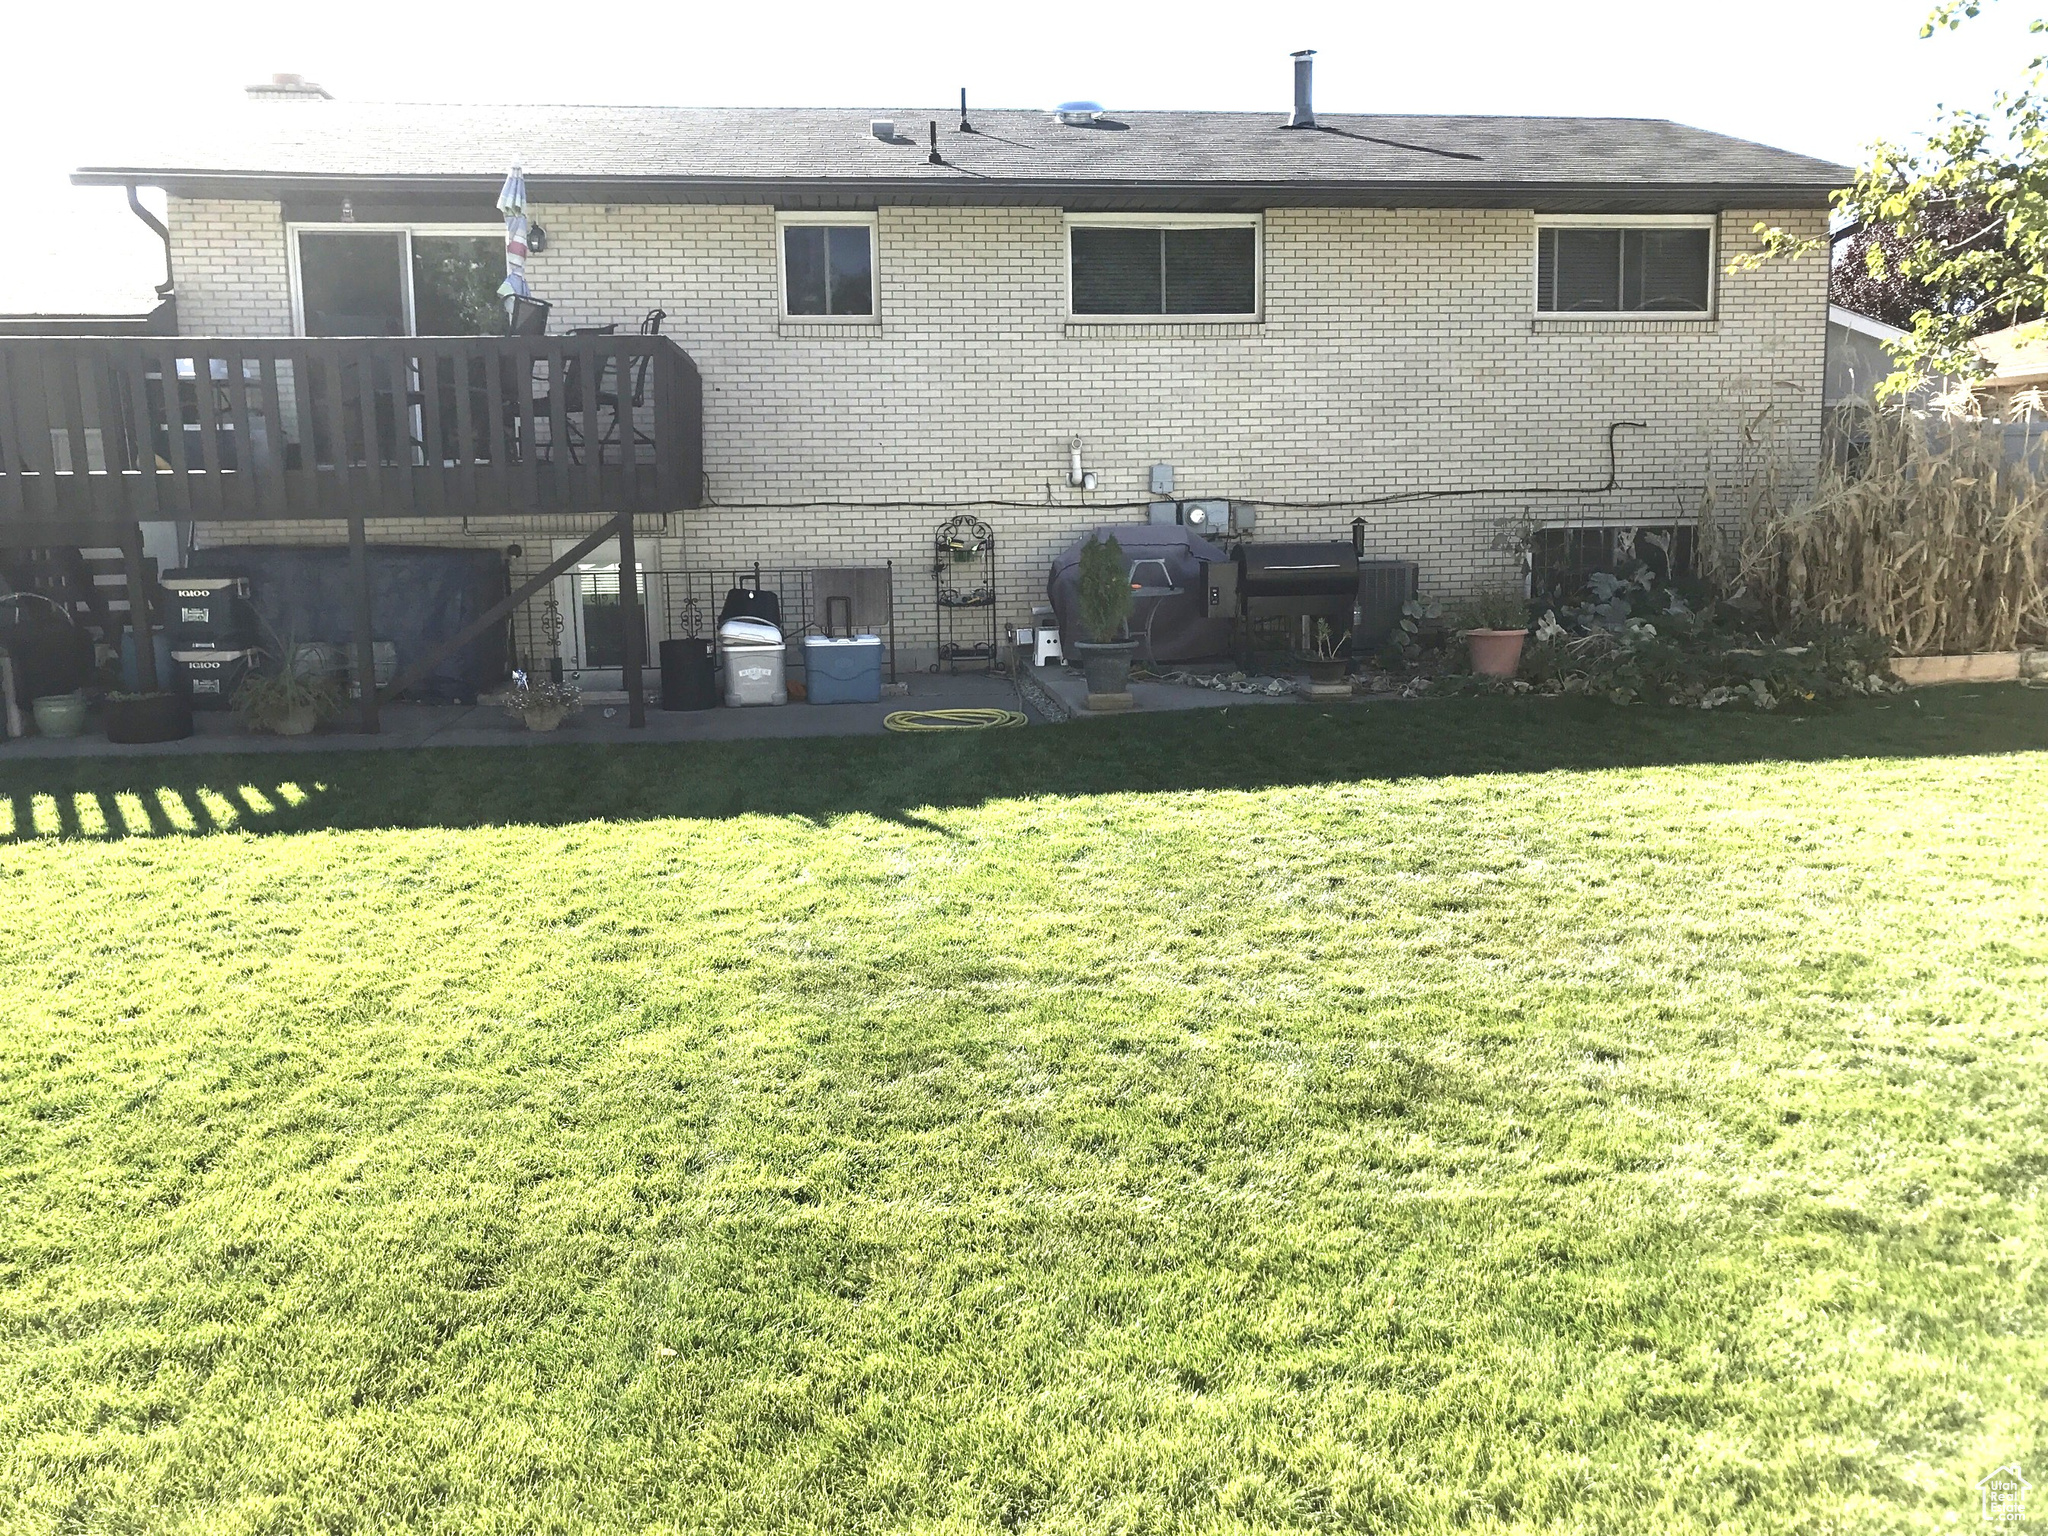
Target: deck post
631, 620
146, 680
366, 650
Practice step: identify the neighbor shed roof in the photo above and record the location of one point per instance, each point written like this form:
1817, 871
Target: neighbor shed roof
828, 157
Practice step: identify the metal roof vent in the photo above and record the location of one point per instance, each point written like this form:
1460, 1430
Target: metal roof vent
1078, 114
288, 88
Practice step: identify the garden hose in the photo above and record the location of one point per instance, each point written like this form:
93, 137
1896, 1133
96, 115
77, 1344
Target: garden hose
953, 719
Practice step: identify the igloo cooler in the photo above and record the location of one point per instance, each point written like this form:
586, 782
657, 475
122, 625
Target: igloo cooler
209, 678
751, 650
843, 671
209, 613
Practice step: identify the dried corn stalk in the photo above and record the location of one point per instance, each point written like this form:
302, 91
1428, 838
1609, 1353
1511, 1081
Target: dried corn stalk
1930, 537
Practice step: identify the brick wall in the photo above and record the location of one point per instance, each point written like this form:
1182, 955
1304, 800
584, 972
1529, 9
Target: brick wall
1397, 356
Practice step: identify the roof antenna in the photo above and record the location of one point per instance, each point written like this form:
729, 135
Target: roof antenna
935, 158
965, 126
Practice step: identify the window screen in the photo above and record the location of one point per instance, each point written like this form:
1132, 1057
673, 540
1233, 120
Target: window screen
829, 269
1149, 271
1623, 271
1561, 560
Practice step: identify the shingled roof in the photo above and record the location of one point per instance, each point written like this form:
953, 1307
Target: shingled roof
798, 156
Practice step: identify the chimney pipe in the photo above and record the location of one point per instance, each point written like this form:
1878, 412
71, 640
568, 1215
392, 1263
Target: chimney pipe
1304, 90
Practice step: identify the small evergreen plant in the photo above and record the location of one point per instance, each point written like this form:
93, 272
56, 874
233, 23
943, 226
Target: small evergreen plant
1105, 589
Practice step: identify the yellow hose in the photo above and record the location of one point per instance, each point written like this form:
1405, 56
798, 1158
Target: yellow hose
953, 719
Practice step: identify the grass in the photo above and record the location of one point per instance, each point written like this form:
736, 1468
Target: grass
1482, 1115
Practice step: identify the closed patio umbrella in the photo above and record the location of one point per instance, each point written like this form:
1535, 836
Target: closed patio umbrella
512, 203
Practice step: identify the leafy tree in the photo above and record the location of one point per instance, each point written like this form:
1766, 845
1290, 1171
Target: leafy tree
1870, 273
1954, 233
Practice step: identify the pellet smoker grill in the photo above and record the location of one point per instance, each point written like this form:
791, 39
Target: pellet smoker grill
1277, 592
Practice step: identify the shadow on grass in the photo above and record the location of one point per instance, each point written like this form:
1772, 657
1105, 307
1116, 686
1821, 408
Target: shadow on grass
897, 776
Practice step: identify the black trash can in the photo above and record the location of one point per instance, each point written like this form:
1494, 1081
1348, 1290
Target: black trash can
689, 676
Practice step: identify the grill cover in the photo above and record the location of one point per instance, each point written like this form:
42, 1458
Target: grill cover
1179, 631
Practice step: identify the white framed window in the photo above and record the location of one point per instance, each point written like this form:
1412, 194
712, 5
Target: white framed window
1137, 266
396, 279
1593, 266
826, 265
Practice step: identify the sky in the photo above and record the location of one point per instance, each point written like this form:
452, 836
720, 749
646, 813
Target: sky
83, 81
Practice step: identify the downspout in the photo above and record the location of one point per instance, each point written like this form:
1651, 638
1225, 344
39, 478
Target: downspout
166, 314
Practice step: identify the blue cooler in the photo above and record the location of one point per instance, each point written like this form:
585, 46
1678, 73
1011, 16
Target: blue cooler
843, 671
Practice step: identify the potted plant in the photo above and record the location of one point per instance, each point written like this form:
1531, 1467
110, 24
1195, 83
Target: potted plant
1105, 606
285, 703
1327, 662
156, 715
1494, 622
542, 703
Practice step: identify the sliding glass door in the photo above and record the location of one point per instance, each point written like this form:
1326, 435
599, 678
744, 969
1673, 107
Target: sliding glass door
383, 281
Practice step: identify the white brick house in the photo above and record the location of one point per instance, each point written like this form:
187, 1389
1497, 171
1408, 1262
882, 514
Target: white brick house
1397, 362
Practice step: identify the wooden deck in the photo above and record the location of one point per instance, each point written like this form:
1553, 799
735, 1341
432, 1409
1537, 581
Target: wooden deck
97, 434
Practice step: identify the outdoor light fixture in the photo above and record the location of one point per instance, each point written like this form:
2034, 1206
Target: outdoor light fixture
1084, 479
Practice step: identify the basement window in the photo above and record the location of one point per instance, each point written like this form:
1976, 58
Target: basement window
1134, 267
1563, 560
828, 266
1605, 267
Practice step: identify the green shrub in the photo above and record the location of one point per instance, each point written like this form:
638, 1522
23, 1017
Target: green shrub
1704, 661
1105, 589
1639, 639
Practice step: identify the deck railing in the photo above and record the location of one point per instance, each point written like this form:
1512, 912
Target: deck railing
96, 433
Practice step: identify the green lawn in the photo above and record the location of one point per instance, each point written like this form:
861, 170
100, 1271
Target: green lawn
1474, 1115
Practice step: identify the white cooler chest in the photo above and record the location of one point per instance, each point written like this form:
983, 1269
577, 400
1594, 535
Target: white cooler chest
752, 659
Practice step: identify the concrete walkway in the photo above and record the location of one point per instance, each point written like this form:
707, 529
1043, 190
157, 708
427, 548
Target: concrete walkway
483, 725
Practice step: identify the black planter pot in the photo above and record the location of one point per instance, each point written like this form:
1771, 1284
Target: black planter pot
1108, 668
149, 717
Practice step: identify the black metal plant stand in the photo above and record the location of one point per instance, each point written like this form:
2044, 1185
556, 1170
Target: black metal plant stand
964, 576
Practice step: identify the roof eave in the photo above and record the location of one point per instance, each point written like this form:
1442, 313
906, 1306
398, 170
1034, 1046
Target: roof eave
943, 188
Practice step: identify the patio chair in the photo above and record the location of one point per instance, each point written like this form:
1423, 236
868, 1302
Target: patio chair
650, 325
572, 400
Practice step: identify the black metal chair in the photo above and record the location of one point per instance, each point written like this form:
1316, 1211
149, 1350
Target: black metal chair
571, 384
650, 325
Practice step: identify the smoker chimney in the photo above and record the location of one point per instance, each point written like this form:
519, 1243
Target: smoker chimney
288, 88
1304, 90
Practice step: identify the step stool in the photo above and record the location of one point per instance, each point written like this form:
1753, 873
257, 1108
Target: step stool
1045, 637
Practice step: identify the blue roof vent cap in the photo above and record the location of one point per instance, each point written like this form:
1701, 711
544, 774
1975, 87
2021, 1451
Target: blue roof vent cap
1078, 114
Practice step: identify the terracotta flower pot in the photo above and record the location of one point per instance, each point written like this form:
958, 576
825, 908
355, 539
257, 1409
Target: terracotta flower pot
544, 718
1496, 652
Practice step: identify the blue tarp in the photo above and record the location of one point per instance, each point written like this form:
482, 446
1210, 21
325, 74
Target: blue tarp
419, 599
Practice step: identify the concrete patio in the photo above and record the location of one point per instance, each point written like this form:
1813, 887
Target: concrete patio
487, 725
